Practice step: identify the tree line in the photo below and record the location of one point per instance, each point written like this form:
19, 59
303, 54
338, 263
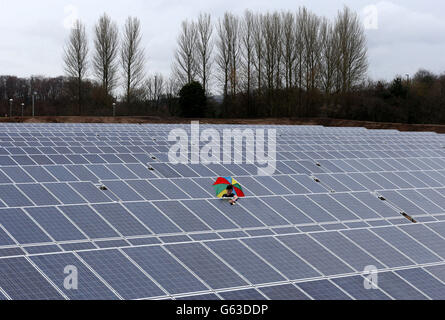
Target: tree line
274, 64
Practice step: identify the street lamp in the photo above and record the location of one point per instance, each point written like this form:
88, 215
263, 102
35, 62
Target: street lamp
114, 109
23, 107
10, 107
33, 103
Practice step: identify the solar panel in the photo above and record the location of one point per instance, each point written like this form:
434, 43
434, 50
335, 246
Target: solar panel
89, 222
89, 286
283, 259
215, 273
168, 272
323, 290
55, 223
84, 194
245, 262
354, 286
246, 294
284, 292
21, 281
378, 248
21, 227
318, 257
122, 275
121, 220
13, 197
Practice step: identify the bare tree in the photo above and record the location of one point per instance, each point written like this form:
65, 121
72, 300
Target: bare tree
75, 58
311, 30
106, 45
205, 49
132, 58
258, 40
272, 49
155, 87
289, 47
186, 62
352, 62
328, 57
223, 56
247, 48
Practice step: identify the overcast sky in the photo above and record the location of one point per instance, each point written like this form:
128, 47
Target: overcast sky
409, 34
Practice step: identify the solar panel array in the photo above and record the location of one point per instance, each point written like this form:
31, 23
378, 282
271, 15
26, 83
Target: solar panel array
105, 199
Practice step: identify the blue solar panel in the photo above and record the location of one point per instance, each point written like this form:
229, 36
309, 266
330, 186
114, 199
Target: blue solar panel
407, 245
125, 278
38, 194
65, 193
169, 273
323, 290
89, 287
61, 173
169, 189
21, 281
21, 227
311, 209
266, 214
397, 288
121, 219
427, 237
284, 292
318, 257
52, 163
355, 287
89, 222
242, 295
244, 261
237, 214
90, 192
5, 240
282, 258
152, 217
12, 196
55, 223
181, 216
122, 191
357, 207
346, 250
17, 174
209, 214
202, 297
206, 266
39, 174
333, 207
423, 281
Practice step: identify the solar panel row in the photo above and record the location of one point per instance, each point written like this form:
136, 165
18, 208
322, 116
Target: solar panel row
332, 208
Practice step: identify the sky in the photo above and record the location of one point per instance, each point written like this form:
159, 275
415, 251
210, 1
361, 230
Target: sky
403, 36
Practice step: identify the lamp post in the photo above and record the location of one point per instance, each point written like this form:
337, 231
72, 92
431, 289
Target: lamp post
10, 107
114, 109
33, 103
23, 108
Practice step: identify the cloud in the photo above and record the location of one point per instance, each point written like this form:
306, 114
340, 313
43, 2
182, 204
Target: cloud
405, 41
410, 34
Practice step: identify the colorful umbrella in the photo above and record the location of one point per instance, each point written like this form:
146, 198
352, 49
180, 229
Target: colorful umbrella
221, 187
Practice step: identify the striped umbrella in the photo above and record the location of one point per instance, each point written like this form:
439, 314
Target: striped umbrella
221, 187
